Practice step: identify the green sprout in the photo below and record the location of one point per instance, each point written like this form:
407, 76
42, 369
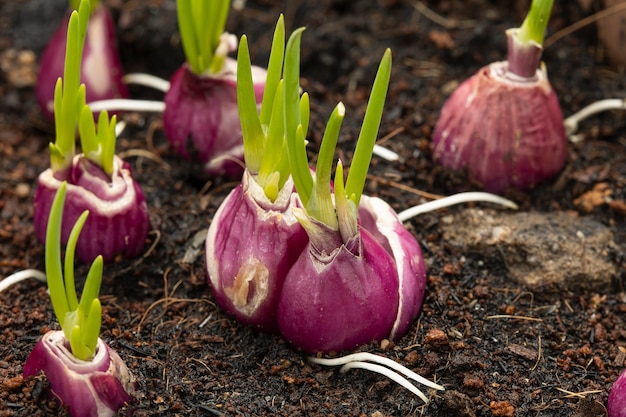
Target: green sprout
69, 95
201, 24
80, 321
70, 108
533, 28
315, 192
264, 132
75, 4
98, 145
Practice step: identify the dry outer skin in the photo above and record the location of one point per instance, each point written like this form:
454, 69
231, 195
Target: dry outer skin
538, 248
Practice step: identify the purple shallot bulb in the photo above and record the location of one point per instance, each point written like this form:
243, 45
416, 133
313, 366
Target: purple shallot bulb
95, 388
251, 245
504, 124
119, 221
254, 238
201, 120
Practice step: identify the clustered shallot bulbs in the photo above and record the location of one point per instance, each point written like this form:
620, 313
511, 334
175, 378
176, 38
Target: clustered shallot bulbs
327, 267
504, 124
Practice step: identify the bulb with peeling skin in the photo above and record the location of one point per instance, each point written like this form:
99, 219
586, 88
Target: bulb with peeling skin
251, 245
95, 388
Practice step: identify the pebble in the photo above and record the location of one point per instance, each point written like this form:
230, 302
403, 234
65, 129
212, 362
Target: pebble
537, 248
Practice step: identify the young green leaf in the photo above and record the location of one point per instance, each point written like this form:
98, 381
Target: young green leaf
533, 28
294, 130
67, 94
201, 24
76, 318
369, 131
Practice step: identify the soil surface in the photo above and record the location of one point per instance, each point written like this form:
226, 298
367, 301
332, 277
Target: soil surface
500, 348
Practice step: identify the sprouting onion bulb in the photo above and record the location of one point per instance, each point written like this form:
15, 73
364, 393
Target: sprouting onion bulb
101, 68
200, 118
254, 238
98, 180
504, 124
354, 282
87, 376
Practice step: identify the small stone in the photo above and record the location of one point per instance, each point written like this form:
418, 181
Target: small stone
502, 409
436, 338
22, 190
538, 248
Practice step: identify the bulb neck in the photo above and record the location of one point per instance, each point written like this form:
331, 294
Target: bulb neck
523, 58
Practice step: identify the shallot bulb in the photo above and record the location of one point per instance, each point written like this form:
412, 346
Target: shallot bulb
361, 276
95, 388
118, 222
85, 374
251, 245
504, 124
101, 68
201, 120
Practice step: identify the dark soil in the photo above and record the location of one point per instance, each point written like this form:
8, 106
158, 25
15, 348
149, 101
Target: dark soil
558, 358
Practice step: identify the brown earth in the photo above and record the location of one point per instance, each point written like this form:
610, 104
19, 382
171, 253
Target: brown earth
499, 348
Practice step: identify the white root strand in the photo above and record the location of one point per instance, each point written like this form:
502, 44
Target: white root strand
147, 80
473, 196
571, 123
370, 357
122, 104
21, 276
119, 128
397, 378
385, 153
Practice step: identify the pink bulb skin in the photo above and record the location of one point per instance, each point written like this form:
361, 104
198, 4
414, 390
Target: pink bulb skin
377, 217
101, 67
251, 245
118, 221
95, 388
616, 406
201, 118
339, 301
505, 130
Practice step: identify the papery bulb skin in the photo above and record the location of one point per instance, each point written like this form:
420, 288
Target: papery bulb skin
505, 129
118, 221
338, 301
616, 405
201, 119
378, 218
95, 388
101, 68
251, 245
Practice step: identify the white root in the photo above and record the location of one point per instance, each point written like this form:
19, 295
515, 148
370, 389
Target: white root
383, 366
22, 276
473, 196
123, 104
571, 123
385, 153
147, 80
